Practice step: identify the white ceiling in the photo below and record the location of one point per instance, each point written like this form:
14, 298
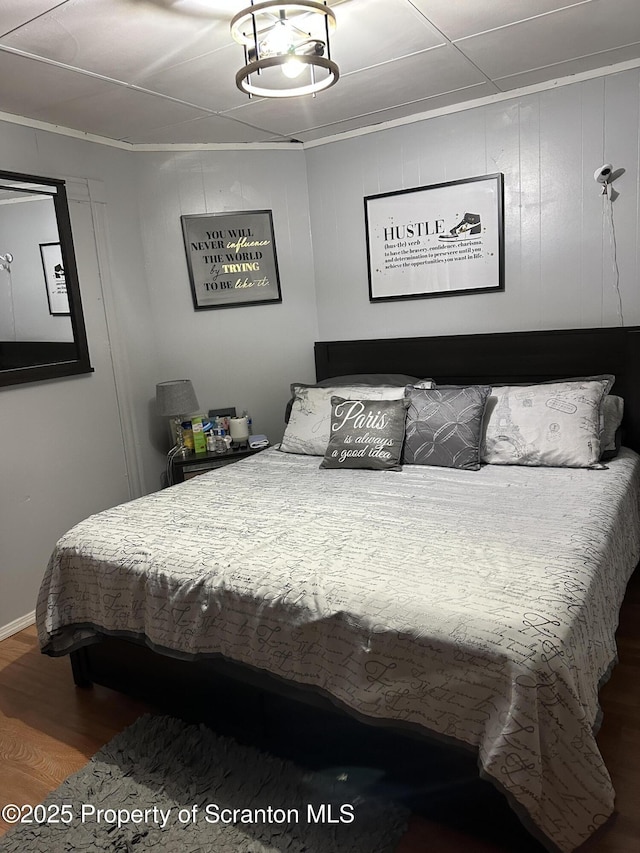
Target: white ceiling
163, 71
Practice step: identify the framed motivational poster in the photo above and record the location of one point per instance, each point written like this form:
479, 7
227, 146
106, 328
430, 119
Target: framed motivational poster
442, 240
231, 259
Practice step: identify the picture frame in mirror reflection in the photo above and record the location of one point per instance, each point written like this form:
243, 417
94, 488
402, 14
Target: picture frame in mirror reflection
55, 278
231, 258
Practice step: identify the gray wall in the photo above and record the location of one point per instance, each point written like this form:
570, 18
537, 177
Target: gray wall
87, 443
78, 445
64, 456
559, 265
247, 356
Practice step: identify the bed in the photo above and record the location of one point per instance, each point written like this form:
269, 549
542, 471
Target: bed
477, 606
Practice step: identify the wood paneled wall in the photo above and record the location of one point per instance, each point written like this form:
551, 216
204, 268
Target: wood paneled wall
559, 255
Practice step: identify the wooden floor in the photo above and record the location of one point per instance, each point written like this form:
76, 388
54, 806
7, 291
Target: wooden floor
49, 729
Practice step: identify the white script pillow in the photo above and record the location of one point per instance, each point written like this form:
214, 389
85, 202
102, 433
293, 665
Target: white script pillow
556, 423
309, 426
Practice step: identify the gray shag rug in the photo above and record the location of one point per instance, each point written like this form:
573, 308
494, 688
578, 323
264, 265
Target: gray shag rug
164, 786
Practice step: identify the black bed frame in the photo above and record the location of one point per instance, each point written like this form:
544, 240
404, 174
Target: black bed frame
253, 705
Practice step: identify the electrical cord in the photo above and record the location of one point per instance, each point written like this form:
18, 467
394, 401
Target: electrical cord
170, 456
607, 217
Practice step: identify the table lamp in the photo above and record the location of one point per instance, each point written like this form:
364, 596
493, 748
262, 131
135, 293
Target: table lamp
175, 399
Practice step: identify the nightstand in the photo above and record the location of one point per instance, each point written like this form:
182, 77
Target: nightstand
184, 468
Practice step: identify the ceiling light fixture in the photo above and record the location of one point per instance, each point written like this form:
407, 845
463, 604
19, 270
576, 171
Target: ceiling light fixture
282, 40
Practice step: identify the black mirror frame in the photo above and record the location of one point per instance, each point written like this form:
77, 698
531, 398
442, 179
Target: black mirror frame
81, 364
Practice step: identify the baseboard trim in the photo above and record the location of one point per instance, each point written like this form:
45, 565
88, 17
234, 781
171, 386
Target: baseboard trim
17, 625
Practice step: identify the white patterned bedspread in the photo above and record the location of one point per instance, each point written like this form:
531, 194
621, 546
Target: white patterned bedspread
479, 605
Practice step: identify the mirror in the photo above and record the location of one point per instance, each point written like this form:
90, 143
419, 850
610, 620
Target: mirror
42, 332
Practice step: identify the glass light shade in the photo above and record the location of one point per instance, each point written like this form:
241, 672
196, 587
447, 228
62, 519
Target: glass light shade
279, 40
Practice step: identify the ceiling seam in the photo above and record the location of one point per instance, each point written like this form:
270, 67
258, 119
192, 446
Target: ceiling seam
35, 18
523, 20
564, 61
452, 44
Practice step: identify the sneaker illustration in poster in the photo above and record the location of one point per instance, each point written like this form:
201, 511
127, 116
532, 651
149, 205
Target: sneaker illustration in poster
469, 226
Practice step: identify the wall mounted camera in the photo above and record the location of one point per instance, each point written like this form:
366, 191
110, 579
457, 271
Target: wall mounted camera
603, 174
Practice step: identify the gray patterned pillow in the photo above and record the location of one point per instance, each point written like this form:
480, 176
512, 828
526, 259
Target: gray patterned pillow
366, 434
444, 426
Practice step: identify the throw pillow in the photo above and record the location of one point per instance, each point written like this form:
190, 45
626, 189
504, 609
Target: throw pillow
374, 379
366, 434
613, 410
556, 424
444, 426
309, 425
354, 380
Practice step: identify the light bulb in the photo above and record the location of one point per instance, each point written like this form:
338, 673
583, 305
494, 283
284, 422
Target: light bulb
293, 68
279, 40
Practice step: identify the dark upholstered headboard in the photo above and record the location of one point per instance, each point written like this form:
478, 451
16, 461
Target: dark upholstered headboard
501, 357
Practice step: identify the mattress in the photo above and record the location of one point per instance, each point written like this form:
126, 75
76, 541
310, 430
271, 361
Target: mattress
477, 606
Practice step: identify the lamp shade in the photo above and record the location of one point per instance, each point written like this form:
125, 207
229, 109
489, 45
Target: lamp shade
176, 397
